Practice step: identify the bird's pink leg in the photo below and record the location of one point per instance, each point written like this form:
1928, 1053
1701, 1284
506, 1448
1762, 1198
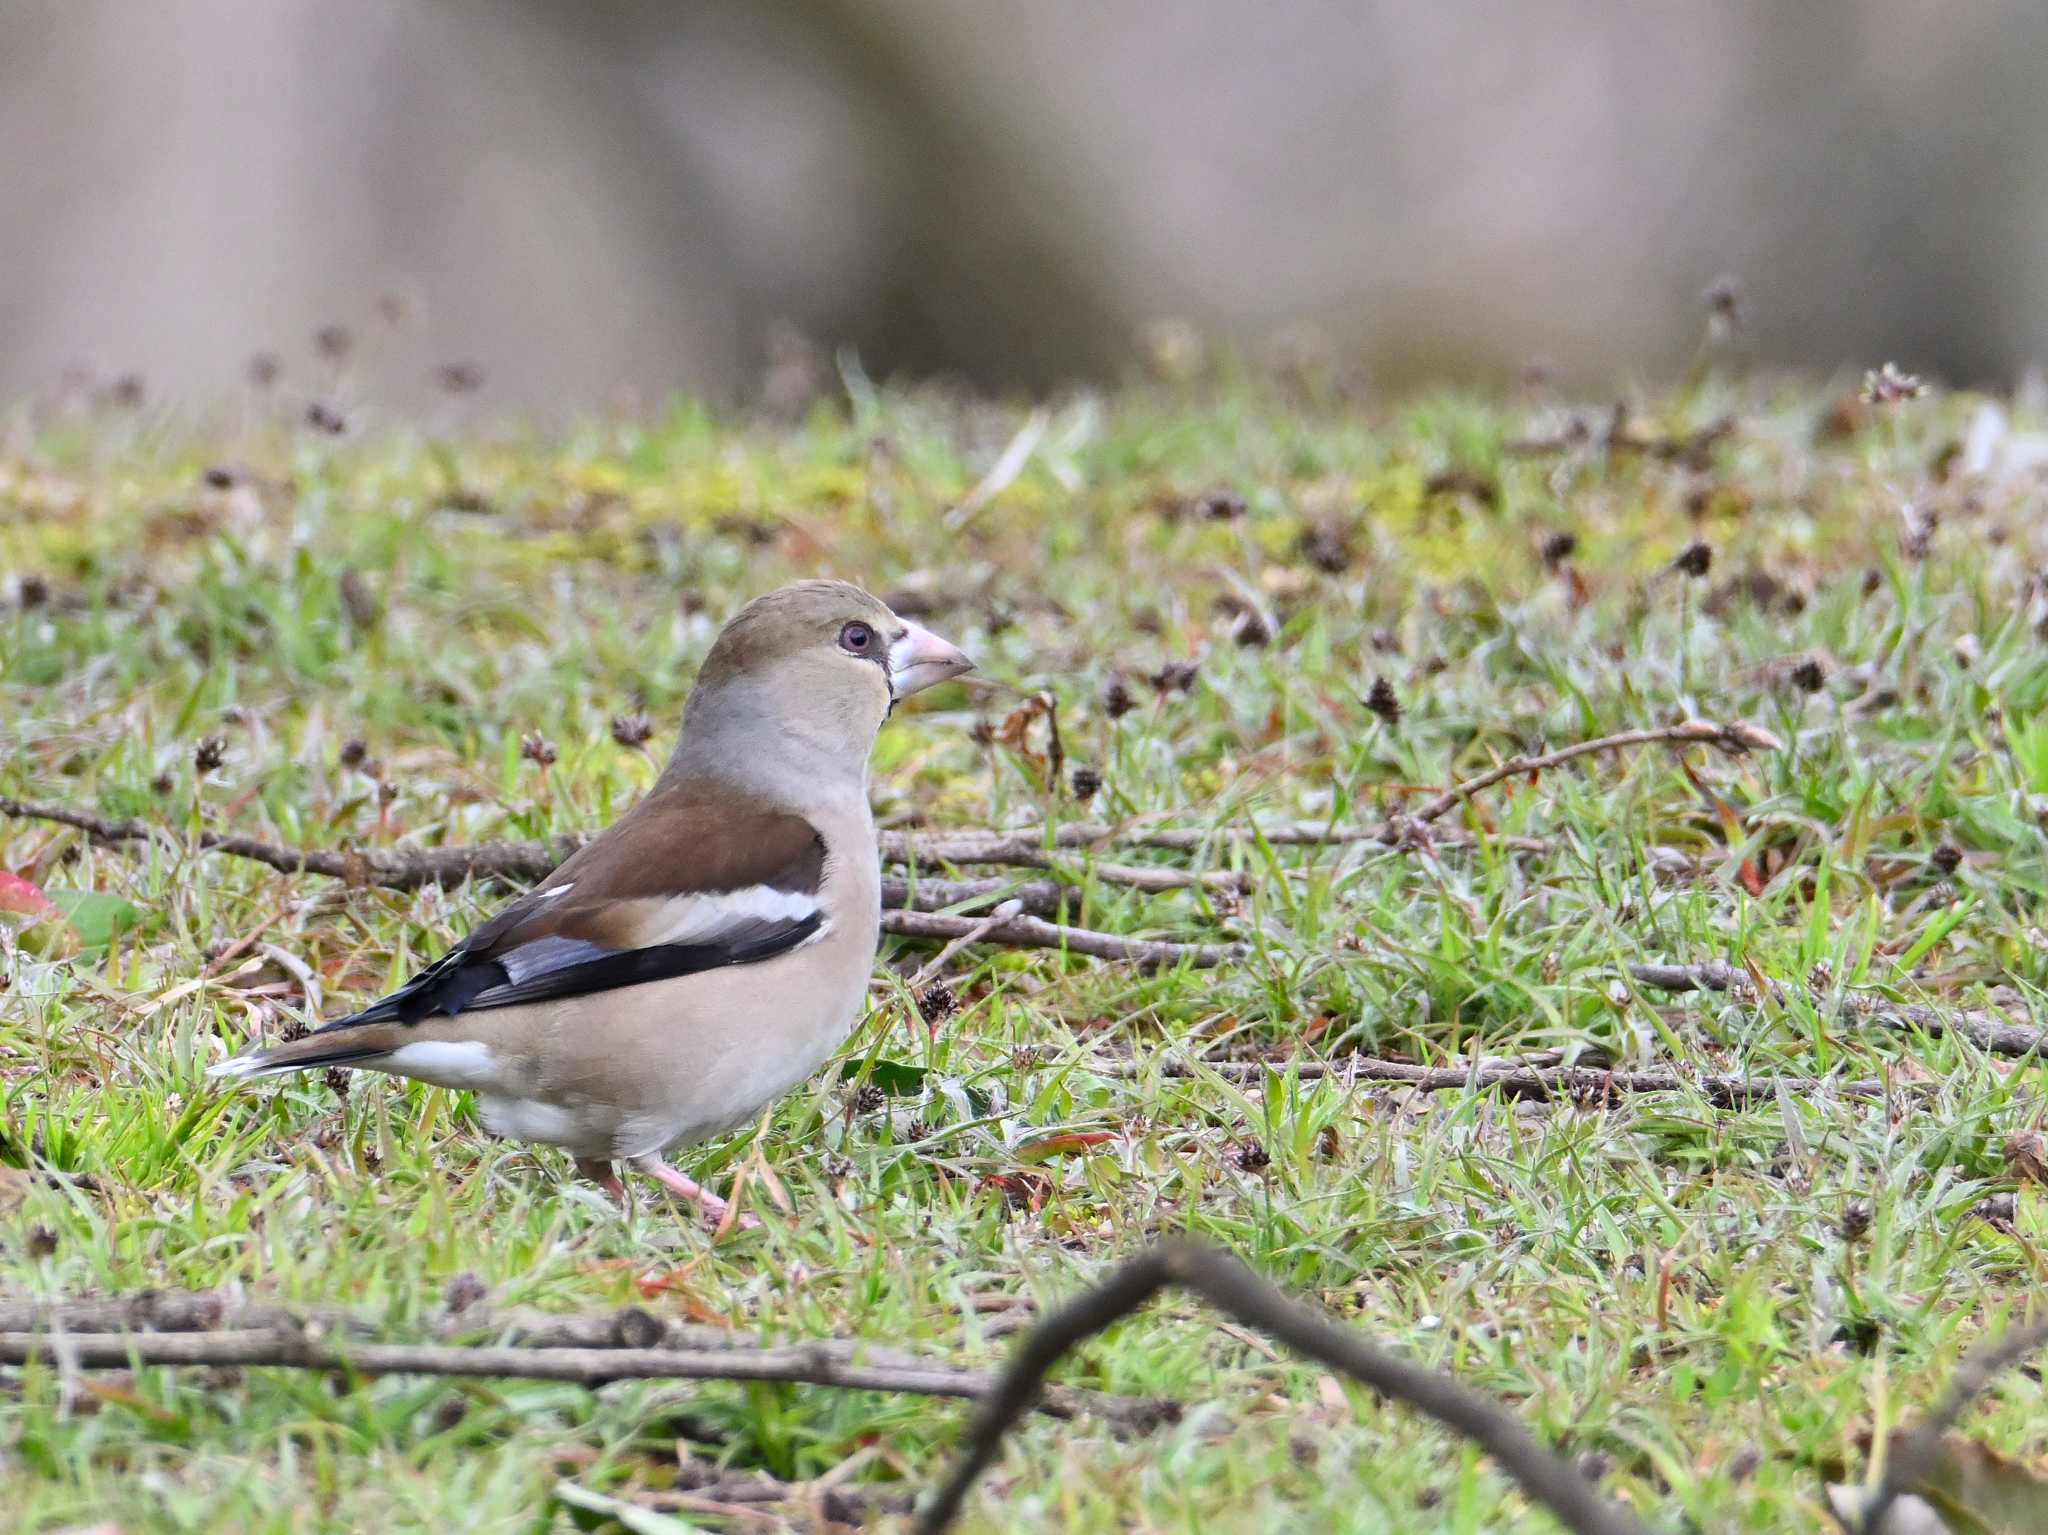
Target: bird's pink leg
714, 1209
601, 1174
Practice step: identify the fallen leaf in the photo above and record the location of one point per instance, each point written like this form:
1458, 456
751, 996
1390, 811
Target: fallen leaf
95, 916
1058, 1145
21, 898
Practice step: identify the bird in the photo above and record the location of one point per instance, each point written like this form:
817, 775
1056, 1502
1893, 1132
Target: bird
706, 952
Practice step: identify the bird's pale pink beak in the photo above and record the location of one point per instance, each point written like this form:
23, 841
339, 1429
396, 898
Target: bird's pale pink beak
920, 659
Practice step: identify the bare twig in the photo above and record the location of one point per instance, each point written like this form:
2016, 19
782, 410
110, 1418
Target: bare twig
528, 861
1521, 1080
1038, 846
1031, 933
1039, 897
1987, 1031
974, 934
211, 1310
207, 1329
1681, 447
1919, 1454
1735, 736
1147, 878
393, 868
1228, 1285
1005, 469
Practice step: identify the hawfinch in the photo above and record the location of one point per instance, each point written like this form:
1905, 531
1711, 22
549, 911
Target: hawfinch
710, 949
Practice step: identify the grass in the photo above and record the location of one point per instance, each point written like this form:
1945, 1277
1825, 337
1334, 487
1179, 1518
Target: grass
1710, 1307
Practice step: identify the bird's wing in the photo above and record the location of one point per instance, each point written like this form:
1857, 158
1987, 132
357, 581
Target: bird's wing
682, 883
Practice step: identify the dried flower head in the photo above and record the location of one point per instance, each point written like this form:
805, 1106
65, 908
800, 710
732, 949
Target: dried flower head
1557, 547
209, 753
1380, 698
1889, 385
354, 752
1946, 859
1250, 627
1855, 1221
631, 730
1694, 560
1085, 781
936, 1003
1327, 546
325, 418
358, 601
1249, 1155
535, 748
1116, 696
1809, 676
333, 342
1723, 298
1175, 677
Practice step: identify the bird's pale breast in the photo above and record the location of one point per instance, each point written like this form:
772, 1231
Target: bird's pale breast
633, 1071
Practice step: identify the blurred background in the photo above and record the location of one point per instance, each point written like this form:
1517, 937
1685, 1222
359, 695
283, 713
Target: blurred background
582, 199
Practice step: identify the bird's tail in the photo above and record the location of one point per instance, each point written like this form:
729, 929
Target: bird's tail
348, 1045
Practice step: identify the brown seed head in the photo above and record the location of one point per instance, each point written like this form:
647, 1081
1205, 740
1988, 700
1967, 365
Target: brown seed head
1382, 701
1694, 560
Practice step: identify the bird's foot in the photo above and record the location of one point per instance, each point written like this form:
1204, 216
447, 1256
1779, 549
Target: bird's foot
715, 1211
601, 1174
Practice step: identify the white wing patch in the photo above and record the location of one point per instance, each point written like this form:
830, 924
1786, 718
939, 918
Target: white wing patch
445, 1062
702, 916
559, 890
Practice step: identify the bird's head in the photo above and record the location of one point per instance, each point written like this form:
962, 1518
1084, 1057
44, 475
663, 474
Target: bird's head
808, 672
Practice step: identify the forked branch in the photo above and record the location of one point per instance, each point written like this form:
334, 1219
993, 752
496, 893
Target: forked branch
1231, 1287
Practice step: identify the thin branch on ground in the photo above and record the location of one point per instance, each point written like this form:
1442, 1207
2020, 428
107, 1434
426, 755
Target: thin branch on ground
1232, 1288
212, 1310
929, 971
1909, 1466
1128, 876
1032, 933
1691, 448
207, 1330
699, 1490
1038, 897
1989, 1032
393, 868
1031, 847
530, 861
1735, 736
1038, 846
1579, 1084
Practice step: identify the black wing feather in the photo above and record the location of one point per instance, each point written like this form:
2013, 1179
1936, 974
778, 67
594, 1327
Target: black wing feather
463, 980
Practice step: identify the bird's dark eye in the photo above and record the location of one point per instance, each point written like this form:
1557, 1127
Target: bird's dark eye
857, 639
